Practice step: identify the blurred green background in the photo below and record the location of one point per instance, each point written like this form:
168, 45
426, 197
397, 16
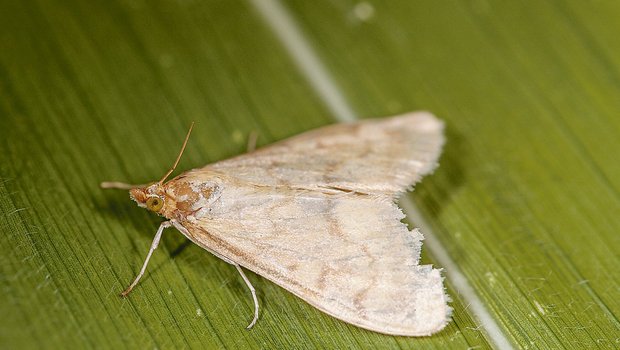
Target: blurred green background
526, 201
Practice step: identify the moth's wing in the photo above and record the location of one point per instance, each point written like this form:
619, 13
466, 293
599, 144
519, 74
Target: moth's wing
378, 156
348, 255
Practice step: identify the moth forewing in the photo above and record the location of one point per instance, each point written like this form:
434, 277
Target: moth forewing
316, 215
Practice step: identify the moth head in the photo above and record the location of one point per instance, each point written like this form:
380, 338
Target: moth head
150, 197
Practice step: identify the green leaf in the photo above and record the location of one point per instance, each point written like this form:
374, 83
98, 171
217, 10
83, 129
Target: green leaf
525, 201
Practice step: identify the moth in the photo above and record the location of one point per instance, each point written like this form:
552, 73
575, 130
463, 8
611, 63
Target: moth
316, 214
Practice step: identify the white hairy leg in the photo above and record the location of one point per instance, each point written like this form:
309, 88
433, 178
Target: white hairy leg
253, 291
154, 245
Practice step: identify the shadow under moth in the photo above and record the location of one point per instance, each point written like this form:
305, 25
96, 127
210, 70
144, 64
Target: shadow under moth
316, 214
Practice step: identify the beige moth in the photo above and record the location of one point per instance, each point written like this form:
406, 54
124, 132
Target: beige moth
316, 214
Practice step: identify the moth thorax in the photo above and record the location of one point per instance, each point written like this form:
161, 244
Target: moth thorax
192, 196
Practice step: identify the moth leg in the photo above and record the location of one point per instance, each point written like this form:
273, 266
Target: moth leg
154, 245
253, 291
252, 137
120, 185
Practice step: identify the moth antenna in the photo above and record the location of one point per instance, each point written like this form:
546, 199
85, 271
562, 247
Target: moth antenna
176, 162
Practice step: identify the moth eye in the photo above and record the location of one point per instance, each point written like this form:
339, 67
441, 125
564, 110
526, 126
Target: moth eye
154, 203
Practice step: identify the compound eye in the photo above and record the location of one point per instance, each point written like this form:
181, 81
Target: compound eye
154, 203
